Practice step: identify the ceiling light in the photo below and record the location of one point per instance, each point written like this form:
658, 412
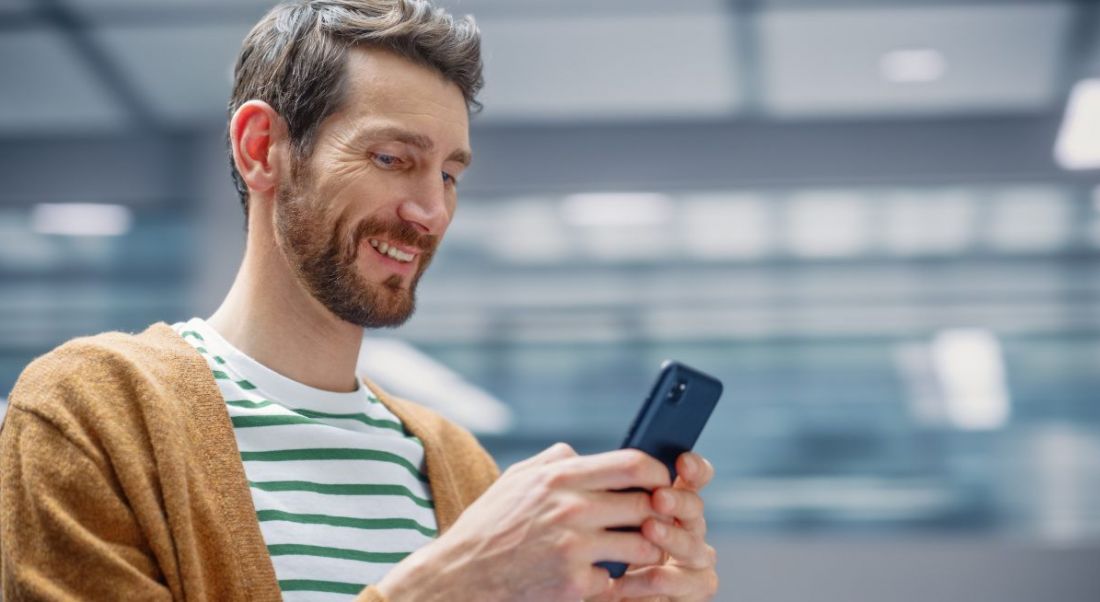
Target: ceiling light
1078, 145
927, 222
912, 65
81, 219
1030, 219
726, 226
617, 209
970, 367
827, 223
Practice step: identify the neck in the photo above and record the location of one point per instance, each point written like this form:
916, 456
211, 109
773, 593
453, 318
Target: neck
269, 316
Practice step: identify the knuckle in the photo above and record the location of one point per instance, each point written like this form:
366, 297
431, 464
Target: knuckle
568, 545
564, 449
569, 509
638, 464
551, 478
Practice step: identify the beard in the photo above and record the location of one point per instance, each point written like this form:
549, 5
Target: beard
324, 258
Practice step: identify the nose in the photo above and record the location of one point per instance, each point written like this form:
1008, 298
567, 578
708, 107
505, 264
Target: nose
427, 208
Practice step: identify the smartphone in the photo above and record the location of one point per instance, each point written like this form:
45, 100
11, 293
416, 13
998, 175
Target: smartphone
670, 422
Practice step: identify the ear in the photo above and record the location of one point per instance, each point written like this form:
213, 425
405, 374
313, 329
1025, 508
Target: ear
256, 133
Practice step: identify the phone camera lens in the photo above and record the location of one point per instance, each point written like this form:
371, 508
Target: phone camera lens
676, 393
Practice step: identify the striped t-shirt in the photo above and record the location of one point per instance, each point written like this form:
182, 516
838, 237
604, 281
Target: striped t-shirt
338, 484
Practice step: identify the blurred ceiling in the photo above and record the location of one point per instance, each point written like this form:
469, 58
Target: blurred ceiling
76, 66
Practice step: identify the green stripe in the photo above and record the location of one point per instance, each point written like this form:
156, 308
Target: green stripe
217, 358
295, 549
251, 405
312, 585
336, 453
263, 403
341, 489
346, 521
192, 333
361, 417
241, 422
244, 384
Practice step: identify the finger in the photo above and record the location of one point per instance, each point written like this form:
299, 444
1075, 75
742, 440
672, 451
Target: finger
593, 584
676, 582
684, 505
693, 471
625, 547
604, 509
684, 547
619, 469
556, 452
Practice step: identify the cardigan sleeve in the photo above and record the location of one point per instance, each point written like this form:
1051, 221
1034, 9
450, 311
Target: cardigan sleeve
66, 531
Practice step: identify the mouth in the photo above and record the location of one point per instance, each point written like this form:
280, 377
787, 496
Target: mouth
393, 251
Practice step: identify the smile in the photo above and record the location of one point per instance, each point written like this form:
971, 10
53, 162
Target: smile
392, 251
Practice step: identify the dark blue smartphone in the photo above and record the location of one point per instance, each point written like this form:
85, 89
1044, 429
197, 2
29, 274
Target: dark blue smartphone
670, 422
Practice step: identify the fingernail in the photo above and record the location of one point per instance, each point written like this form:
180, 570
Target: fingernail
659, 530
669, 499
691, 464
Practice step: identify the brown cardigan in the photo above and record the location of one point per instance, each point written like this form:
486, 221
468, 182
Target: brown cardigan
120, 478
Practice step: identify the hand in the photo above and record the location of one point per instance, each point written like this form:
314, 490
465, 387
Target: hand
535, 534
688, 572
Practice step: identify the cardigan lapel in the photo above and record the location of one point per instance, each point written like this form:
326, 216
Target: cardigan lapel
442, 480
211, 431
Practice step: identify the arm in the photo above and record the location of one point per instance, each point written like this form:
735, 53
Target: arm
66, 531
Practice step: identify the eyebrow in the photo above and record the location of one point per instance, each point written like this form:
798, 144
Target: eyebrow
420, 141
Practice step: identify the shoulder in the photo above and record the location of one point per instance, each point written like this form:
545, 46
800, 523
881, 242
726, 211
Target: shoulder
99, 375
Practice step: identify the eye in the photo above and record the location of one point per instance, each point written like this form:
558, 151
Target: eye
386, 161
449, 179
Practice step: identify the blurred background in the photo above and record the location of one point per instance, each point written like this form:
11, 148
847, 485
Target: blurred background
878, 221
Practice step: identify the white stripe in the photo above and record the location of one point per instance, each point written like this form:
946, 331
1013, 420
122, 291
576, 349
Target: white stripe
358, 506
309, 436
343, 472
328, 569
383, 540
313, 596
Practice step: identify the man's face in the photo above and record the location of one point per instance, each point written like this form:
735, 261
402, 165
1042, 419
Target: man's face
360, 219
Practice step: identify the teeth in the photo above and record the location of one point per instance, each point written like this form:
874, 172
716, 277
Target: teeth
399, 255
394, 252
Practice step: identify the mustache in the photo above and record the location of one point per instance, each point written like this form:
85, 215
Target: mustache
401, 233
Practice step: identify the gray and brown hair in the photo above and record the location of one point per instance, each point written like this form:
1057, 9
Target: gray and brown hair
294, 58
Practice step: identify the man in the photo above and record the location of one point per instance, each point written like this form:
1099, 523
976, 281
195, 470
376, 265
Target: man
239, 457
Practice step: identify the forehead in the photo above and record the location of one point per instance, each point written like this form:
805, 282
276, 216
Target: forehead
383, 86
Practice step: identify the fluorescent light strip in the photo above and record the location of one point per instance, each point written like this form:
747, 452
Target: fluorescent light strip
912, 66
617, 209
81, 219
